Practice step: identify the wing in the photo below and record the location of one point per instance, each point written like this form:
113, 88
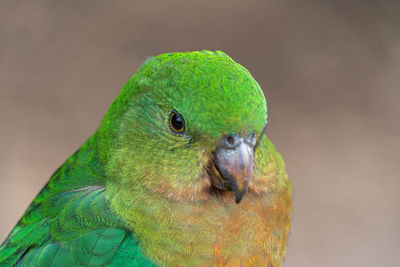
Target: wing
72, 228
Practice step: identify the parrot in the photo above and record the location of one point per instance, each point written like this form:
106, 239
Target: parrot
180, 172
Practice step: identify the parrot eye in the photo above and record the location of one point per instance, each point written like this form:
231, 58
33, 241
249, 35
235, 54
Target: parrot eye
176, 122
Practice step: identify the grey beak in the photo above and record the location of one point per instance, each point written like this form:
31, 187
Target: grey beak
235, 159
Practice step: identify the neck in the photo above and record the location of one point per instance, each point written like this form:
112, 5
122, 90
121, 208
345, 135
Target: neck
199, 232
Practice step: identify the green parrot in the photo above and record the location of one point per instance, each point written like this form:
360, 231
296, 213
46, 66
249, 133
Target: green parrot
179, 173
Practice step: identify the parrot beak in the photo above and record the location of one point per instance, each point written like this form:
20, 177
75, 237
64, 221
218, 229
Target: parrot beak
234, 159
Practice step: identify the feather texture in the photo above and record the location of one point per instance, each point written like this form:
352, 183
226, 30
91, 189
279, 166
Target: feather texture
138, 194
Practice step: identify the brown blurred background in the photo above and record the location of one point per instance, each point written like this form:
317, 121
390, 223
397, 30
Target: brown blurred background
330, 71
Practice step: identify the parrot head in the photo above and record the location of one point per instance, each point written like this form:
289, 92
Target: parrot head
185, 127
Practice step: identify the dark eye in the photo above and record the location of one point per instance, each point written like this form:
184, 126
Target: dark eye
176, 122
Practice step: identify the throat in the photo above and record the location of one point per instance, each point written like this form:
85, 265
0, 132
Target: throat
205, 232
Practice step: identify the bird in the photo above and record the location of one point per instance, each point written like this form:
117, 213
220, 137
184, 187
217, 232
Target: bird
180, 172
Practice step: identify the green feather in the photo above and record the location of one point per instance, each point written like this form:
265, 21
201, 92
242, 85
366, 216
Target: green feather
133, 194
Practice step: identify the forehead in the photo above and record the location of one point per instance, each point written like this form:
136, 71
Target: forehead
214, 94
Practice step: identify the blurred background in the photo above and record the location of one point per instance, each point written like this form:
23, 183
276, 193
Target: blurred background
330, 71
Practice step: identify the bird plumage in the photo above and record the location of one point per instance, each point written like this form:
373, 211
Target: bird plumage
139, 194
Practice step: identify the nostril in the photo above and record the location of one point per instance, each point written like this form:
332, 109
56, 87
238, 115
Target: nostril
251, 139
231, 140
